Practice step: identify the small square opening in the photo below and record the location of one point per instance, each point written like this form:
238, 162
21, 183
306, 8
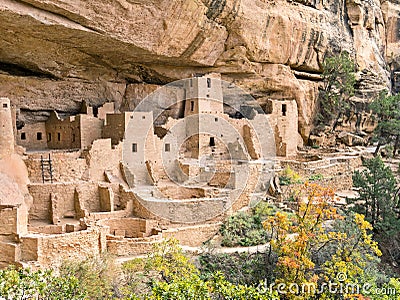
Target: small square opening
39, 136
23, 136
212, 142
5, 105
167, 147
284, 109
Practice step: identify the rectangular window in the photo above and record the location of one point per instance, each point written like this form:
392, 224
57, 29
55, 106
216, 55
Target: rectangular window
49, 137
191, 105
134, 147
39, 136
5, 105
209, 82
191, 83
284, 109
58, 136
73, 137
167, 147
212, 142
23, 136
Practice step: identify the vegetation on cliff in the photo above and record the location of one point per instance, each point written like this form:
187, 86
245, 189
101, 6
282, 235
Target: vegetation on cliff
309, 251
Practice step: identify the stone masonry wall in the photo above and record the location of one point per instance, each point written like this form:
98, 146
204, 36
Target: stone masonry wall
33, 136
67, 166
41, 194
129, 227
128, 247
53, 249
193, 235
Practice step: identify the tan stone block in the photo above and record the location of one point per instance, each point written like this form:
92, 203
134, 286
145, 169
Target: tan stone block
70, 227
119, 232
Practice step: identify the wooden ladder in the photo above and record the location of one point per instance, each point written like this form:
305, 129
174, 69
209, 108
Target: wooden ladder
47, 169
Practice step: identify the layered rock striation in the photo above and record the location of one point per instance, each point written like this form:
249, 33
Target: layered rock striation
56, 53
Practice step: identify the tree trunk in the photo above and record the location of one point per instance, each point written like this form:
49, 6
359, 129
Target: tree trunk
335, 124
377, 148
396, 145
358, 122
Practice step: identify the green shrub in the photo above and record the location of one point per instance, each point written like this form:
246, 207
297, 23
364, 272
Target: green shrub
42, 284
96, 275
243, 229
264, 210
289, 176
237, 268
316, 177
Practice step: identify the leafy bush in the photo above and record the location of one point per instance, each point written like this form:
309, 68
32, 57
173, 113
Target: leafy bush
41, 284
289, 176
264, 210
243, 229
171, 276
96, 276
237, 268
316, 177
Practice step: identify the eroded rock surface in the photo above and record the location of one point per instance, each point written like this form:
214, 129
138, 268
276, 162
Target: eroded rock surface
57, 53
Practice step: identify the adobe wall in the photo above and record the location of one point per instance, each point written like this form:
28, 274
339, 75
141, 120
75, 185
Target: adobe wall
180, 211
179, 192
13, 221
131, 246
67, 166
101, 157
114, 128
42, 196
63, 134
337, 183
9, 254
242, 196
106, 108
6, 129
205, 88
129, 227
90, 129
33, 136
66, 195
328, 167
138, 145
193, 235
52, 250
283, 117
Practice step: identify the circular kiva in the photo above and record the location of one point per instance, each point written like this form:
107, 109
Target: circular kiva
196, 149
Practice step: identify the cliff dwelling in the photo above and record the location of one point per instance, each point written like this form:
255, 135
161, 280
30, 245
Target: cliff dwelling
104, 180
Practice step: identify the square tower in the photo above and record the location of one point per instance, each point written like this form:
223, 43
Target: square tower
6, 128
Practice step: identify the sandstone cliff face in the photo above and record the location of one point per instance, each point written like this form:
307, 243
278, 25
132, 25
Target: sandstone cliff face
56, 53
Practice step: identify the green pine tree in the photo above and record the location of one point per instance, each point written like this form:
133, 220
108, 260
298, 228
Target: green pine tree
378, 196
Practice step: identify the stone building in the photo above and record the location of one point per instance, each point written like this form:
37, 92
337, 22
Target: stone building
122, 182
6, 128
73, 132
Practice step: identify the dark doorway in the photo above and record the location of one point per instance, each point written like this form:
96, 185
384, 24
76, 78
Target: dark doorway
284, 109
212, 142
